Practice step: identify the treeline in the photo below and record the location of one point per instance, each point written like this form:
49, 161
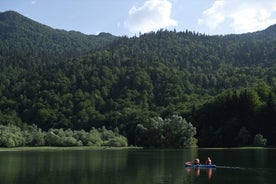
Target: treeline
13, 136
128, 81
235, 117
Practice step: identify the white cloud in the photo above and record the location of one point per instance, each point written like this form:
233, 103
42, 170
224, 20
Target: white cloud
240, 15
151, 16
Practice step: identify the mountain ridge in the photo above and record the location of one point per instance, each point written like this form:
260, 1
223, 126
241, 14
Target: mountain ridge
13, 17
19, 33
17, 16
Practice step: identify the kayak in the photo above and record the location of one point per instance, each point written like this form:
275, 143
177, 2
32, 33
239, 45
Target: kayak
189, 164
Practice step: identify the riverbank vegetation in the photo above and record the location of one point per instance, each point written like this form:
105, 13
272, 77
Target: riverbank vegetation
172, 132
13, 136
62, 84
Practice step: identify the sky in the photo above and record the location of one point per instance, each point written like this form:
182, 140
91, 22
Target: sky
132, 17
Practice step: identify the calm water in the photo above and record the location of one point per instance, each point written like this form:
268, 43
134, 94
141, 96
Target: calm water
136, 166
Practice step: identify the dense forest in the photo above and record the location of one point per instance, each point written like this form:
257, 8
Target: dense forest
160, 89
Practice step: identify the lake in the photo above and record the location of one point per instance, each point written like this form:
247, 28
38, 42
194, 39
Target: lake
136, 166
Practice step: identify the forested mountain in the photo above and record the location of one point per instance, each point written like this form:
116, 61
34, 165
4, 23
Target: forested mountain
28, 43
224, 85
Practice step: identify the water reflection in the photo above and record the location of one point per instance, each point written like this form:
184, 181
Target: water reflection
86, 167
201, 171
61, 167
136, 166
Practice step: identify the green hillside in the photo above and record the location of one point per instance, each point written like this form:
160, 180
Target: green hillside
224, 85
27, 43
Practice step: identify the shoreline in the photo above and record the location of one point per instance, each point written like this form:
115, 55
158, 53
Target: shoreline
80, 148
72, 148
238, 148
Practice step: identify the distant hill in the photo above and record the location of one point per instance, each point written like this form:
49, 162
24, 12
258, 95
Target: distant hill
271, 29
269, 33
224, 85
19, 34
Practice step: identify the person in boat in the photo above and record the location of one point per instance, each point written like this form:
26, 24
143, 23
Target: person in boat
208, 161
196, 161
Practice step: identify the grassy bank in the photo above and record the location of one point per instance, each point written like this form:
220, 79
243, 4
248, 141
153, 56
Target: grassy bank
52, 148
246, 147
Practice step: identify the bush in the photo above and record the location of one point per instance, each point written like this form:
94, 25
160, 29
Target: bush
59, 137
51, 139
94, 138
259, 140
174, 132
69, 141
11, 136
34, 136
118, 141
82, 136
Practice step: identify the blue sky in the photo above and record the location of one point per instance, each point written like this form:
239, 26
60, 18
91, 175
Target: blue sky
130, 17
